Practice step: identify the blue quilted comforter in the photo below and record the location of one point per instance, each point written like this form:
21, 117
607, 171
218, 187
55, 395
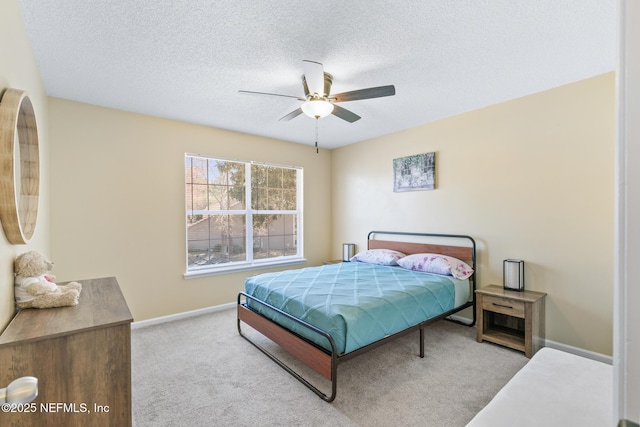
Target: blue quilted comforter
357, 303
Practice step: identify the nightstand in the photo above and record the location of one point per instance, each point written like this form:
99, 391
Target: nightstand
510, 318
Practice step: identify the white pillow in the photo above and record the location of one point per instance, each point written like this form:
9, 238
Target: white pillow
379, 256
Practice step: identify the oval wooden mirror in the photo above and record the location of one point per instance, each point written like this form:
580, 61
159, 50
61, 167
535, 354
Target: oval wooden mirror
19, 167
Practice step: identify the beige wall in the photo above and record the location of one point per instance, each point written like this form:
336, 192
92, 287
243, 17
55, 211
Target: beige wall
18, 70
530, 178
117, 184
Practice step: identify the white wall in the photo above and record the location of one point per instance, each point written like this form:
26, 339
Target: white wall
627, 269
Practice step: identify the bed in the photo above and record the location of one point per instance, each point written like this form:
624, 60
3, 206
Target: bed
328, 314
554, 388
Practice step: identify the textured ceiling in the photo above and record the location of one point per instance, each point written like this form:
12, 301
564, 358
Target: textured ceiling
186, 60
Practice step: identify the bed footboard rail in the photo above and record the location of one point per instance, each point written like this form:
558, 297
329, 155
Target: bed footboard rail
320, 360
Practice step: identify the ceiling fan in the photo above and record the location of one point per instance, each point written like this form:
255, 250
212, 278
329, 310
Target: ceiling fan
318, 101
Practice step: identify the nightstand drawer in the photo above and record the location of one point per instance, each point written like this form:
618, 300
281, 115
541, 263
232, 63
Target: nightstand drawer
503, 306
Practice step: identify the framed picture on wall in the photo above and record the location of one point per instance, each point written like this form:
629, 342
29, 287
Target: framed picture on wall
414, 173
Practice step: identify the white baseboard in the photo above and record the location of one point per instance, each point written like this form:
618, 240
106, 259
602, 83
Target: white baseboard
461, 319
580, 352
183, 315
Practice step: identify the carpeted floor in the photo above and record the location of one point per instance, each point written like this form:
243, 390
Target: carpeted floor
200, 372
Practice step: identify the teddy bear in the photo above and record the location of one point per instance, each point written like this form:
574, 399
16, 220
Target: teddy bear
36, 288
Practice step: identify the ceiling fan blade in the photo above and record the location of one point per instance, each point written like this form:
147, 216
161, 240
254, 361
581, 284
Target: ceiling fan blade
248, 92
291, 115
314, 76
372, 92
345, 114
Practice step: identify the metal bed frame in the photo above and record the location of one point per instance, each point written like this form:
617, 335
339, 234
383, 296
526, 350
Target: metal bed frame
326, 362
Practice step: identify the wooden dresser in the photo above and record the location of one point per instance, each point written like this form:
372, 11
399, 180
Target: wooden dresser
81, 356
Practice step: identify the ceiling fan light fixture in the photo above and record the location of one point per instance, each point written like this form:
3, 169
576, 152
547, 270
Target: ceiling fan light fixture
317, 108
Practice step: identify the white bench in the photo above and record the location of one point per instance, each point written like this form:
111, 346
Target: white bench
554, 388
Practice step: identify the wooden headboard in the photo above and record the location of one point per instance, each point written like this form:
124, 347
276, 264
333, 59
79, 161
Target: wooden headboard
409, 248
464, 253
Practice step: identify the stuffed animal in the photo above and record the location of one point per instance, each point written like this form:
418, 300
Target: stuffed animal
35, 287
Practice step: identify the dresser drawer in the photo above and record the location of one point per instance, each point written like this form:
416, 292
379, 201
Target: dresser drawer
503, 306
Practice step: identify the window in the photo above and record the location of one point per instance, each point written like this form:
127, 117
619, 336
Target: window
241, 215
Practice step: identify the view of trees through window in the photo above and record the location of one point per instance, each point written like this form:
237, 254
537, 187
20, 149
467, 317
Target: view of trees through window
232, 206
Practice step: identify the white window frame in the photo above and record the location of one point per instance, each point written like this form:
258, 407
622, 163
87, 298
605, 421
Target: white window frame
248, 212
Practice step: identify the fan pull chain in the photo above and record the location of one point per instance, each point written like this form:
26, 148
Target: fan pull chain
317, 136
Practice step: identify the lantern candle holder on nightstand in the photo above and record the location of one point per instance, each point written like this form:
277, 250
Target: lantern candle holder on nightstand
513, 274
348, 251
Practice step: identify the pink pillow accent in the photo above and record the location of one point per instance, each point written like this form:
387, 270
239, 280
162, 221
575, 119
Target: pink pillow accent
437, 264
